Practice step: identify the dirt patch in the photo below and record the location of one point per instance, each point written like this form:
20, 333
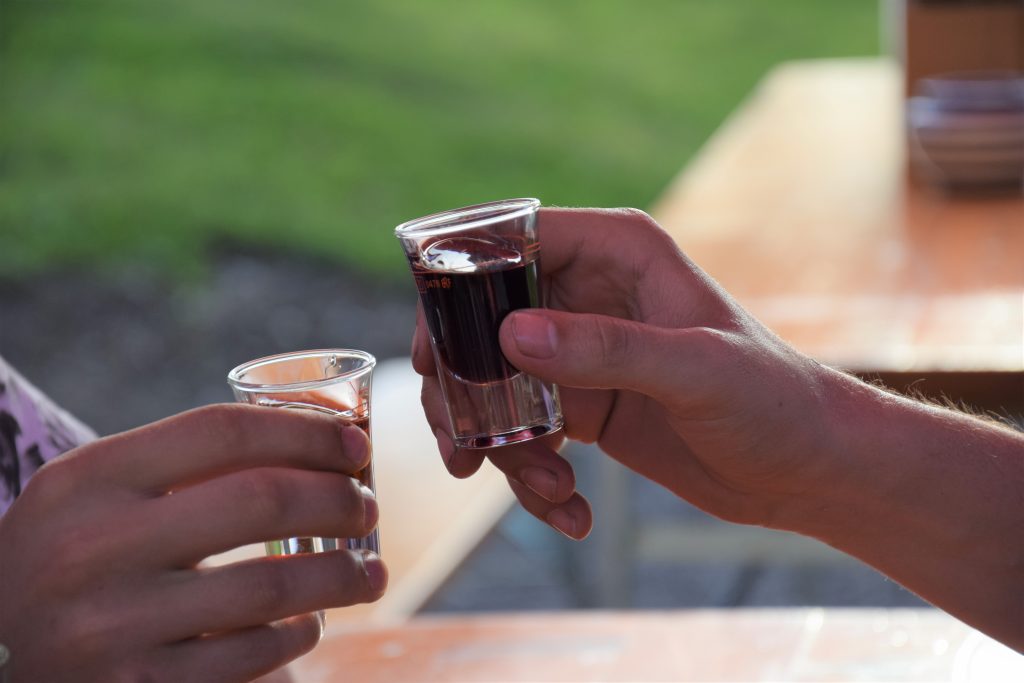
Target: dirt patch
120, 351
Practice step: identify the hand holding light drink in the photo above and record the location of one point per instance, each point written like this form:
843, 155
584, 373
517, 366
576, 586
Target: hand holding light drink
333, 381
473, 266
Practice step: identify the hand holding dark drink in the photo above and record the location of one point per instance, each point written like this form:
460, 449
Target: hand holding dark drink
673, 378
639, 372
472, 267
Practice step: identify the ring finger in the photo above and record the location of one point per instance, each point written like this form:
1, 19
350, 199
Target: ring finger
240, 655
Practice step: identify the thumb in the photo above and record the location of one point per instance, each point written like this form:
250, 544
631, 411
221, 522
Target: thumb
601, 352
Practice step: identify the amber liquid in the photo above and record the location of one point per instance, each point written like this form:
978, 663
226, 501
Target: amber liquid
359, 417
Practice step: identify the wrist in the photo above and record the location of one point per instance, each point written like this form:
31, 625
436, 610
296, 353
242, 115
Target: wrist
850, 466
928, 496
898, 474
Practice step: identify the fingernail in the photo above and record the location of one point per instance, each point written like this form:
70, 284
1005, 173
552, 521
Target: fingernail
540, 481
534, 334
563, 521
376, 573
446, 447
371, 512
355, 445
321, 616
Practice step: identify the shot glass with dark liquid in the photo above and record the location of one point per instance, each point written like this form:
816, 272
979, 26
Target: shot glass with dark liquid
473, 266
332, 381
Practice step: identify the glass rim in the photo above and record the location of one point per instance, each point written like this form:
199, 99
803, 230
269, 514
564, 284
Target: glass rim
441, 223
236, 373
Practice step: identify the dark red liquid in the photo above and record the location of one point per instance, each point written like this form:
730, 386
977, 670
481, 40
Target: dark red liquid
464, 311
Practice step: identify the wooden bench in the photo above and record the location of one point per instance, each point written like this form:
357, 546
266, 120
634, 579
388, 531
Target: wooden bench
800, 207
697, 645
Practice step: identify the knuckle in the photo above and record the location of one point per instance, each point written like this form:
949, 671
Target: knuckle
53, 481
426, 394
642, 226
352, 515
280, 645
79, 562
267, 588
566, 484
636, 217
266, 496
246, 428
353, 588
431, 401
355, 446
231, 424
78, 550
90, 634
613, 342
353, 501
307, 635
715, 348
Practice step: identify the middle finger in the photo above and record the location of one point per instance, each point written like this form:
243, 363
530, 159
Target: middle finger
252, 506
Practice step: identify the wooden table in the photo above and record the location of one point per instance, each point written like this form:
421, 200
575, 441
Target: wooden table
800, 206
712, 645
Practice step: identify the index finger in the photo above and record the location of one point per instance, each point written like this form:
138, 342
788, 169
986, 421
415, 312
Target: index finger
210, 441
613, 239
601, 240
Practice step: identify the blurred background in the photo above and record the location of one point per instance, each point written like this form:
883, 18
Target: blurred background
188, 185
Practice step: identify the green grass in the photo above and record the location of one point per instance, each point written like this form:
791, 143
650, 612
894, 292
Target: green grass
144, 130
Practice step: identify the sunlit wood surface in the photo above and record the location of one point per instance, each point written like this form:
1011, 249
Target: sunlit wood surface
702, 645
800, 206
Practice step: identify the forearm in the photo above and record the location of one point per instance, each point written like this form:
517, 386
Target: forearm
932, 498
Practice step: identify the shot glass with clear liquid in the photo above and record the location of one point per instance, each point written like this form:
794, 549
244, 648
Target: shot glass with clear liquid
473, 266
332, 381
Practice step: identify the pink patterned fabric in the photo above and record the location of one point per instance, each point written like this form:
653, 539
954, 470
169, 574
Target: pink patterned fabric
33, 430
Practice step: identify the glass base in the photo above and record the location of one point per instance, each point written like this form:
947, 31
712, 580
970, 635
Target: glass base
499, 413
507, 438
